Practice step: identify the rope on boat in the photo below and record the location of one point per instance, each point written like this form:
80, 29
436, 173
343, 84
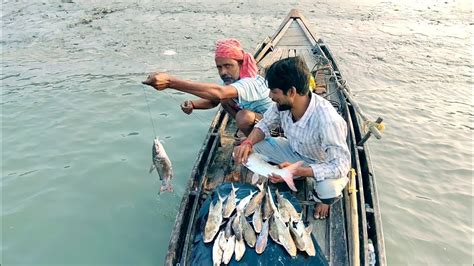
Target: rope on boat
373, 126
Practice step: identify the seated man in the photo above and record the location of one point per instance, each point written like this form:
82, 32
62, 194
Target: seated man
315, 134
244, 94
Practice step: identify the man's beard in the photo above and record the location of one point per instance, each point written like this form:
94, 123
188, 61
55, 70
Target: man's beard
283, 107
228, 80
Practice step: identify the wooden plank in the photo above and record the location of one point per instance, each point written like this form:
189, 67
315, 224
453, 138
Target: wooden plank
269, 59
308, 57
337, 235
308, 34
320, 232
291, 47
294, 31
284, 53
274, 40
295, 40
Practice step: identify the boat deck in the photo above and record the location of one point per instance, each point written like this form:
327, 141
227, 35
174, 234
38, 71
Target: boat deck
330, 233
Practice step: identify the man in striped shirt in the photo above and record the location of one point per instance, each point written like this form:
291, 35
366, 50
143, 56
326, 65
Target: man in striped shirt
315, 134
244, 94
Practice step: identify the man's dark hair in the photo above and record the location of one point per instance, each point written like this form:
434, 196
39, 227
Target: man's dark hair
287, 73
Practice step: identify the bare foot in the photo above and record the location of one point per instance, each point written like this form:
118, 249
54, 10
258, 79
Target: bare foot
321, 211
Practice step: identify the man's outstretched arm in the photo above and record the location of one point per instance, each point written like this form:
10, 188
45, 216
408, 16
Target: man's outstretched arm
209, 91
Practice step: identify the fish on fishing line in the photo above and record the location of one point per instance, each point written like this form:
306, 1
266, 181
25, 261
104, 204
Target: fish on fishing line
162, 164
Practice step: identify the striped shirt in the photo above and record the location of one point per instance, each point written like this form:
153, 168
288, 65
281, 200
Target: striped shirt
253, 94
319, 137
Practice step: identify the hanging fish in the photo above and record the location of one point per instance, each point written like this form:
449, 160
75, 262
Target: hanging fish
162, 164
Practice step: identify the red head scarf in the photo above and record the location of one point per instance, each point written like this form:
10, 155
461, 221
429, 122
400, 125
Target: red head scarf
231, 48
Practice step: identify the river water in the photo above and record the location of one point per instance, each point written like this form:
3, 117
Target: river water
76, 131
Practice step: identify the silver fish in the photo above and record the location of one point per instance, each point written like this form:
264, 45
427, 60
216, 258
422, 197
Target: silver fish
257, 219
222, 240
239, 249
273, 227
271, 202
230, 203
214, 220
255, 201
244, 202
217, 250
273, 230
262, 238
287, 209
239, 236
162, 164
267, 209
236, 225
247, 231
228, 227
282, 231
284, 236
258, 164
228, 250
297, 234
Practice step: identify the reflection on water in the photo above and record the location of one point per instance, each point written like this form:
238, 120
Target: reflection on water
76, 127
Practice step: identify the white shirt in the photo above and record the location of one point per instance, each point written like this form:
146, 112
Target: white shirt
320, 136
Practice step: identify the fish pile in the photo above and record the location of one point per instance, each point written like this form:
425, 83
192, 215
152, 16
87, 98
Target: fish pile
283, 224
162, 164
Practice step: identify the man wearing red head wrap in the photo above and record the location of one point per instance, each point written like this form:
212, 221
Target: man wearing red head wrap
244, 94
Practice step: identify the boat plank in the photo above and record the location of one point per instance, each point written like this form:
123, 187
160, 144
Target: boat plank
269, 59
295, 41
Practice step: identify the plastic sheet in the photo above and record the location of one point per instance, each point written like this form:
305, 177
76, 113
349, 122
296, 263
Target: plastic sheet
274, 253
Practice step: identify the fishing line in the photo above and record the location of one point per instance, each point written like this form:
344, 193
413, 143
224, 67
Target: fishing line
149, 111
199, 117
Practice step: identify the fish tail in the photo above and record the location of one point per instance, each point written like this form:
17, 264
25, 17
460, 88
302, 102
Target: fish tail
234, 188
166, 186
291, 171
219, 196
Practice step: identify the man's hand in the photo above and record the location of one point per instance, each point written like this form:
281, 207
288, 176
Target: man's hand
242, 152
284, 164
159, 81
274, 178
187, 107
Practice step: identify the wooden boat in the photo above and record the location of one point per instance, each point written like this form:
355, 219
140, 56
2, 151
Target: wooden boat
352, 235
